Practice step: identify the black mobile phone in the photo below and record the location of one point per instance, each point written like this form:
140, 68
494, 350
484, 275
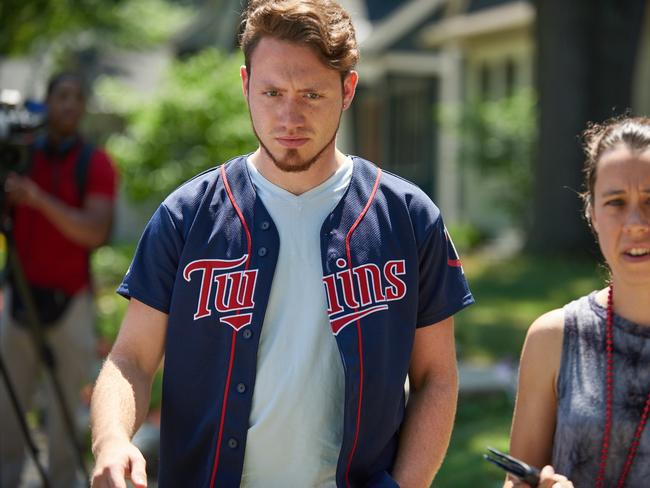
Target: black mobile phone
516, 467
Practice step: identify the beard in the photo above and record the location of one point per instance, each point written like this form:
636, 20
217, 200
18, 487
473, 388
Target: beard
290, 161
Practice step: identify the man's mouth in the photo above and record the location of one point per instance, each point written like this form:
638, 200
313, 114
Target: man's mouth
292, 142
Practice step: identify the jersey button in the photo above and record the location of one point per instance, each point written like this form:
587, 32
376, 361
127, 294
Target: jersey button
247, 334
232, 443
261, 252
265, 225
241, 388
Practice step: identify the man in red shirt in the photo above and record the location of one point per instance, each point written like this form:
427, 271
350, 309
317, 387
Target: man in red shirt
57, 224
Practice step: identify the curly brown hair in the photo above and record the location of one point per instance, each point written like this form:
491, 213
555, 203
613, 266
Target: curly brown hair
632, 132
322, 25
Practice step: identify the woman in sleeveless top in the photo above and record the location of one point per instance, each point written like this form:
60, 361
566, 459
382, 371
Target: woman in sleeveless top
584, 380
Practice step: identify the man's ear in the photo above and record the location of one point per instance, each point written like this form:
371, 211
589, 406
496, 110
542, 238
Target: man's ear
349, 88
243, 73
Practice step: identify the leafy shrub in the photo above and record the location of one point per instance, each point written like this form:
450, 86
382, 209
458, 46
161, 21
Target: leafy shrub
196, 120
499, 138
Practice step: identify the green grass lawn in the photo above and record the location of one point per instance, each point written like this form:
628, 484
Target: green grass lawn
481, 421
509, 296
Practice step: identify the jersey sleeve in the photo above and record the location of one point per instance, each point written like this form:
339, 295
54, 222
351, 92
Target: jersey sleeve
443, 289
102, 176
150, 278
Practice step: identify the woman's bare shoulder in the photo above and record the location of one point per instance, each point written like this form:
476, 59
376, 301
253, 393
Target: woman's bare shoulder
543, 346
548, 325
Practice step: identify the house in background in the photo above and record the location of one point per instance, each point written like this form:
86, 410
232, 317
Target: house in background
424, 62
420, 65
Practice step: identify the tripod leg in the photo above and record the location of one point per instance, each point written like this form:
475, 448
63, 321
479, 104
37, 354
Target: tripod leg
20, 367
72, 341
45, 351
63, 460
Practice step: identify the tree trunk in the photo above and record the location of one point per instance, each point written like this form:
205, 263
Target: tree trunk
586, 55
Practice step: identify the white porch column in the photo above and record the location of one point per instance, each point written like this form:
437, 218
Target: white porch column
451, 93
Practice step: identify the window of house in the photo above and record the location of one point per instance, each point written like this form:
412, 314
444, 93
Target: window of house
411, 129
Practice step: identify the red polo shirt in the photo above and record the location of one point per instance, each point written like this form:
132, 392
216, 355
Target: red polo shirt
47, 256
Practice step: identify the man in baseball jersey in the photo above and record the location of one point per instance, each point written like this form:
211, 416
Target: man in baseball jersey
291, 291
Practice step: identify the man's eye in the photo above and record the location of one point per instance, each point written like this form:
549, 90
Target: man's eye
313, 96
271, 93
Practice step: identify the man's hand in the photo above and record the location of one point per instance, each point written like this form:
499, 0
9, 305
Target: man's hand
121, 397
117, 461
22, 190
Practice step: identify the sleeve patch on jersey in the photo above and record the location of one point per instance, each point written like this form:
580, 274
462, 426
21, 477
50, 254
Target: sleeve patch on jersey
452, 256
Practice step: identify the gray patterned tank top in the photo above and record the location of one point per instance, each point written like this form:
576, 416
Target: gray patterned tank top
581, 396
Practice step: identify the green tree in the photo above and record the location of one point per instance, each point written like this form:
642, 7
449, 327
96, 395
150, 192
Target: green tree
34, 24
197, 119
587, 52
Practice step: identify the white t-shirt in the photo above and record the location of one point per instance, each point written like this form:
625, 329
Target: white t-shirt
296, 422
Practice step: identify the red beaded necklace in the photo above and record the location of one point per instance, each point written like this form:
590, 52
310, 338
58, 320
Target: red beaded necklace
609, 382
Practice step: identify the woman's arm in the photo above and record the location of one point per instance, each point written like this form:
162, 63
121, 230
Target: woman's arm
533, 425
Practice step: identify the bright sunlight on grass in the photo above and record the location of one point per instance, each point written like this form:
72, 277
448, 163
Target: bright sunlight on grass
509, 294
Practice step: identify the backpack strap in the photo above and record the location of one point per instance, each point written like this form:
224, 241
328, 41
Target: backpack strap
81, 169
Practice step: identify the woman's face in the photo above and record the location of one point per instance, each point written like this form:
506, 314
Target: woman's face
620, 213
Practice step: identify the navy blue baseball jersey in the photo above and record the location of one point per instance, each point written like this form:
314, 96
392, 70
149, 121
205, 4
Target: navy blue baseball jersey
207, 259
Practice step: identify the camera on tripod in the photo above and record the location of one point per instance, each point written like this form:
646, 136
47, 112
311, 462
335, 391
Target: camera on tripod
19, 123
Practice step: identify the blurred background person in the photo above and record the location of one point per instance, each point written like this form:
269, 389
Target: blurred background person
584, 381
62, 209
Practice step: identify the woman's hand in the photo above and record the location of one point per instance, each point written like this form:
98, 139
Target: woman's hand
548, 478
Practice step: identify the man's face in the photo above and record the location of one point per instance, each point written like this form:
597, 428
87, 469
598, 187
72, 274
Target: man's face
66, 105
295, 103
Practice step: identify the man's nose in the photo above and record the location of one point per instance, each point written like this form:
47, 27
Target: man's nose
291, 113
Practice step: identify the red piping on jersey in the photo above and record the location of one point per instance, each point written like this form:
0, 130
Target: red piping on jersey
360, 341
215, 464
